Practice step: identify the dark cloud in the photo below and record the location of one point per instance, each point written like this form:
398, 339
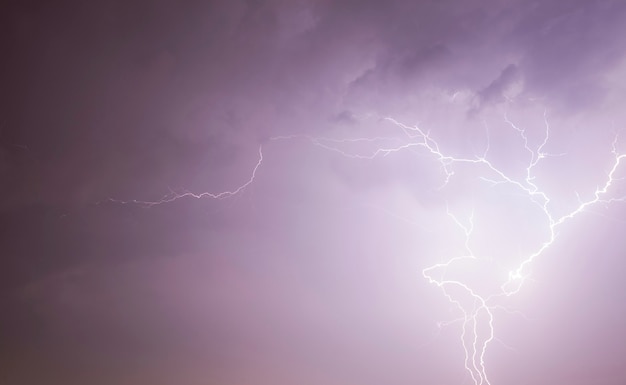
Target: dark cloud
496, 91
568, 46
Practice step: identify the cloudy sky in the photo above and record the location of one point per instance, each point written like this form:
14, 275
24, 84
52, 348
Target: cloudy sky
311, 274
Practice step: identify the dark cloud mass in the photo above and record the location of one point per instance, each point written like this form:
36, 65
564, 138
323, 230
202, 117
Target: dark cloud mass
311, 274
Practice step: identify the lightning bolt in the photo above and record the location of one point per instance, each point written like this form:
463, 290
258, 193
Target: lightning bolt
172, 195
476, 309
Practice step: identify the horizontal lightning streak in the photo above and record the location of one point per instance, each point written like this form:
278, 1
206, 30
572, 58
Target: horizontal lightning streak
221, 195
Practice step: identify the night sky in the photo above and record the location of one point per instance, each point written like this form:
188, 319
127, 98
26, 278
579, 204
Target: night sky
313, 273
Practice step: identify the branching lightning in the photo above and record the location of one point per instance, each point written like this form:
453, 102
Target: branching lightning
476, 309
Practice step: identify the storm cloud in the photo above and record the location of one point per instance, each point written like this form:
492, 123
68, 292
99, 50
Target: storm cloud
312, 273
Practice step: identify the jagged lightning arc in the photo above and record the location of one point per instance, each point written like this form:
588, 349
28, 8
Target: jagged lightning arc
173, 195
477, 310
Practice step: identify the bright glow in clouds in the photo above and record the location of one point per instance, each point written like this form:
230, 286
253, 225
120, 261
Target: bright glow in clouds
473, 297
313, 192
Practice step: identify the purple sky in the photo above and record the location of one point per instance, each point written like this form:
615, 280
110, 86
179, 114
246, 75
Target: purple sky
313, 273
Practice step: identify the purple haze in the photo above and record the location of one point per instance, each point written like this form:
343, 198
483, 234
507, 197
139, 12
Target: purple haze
313, 273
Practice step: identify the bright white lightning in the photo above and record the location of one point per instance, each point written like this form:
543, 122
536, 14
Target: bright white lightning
477, 310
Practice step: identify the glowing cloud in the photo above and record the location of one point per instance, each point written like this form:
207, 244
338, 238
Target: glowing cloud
474, 300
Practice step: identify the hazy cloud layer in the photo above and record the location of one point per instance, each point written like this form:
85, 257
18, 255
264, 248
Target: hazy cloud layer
312, 274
